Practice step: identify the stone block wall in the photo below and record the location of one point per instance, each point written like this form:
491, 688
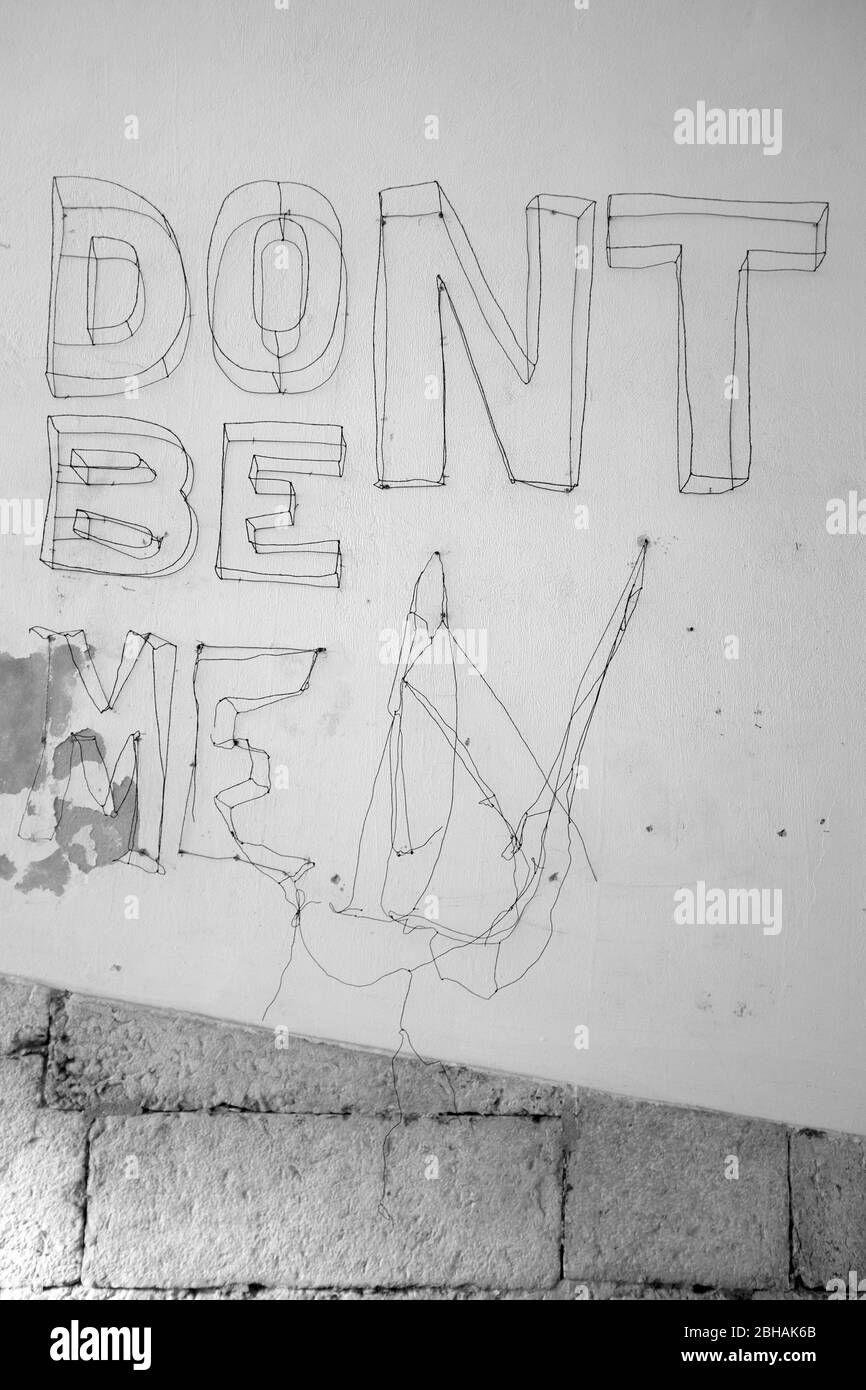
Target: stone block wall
149, 1154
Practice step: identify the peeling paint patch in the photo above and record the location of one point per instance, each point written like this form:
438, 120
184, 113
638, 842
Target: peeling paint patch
50, 874
86, 840
92, 839
7, 868
23, 681
62, 676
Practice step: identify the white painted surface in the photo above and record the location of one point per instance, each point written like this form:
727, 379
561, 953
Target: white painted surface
717, 756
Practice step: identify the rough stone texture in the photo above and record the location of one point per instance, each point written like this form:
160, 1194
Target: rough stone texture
828, 1197
78, 1293
42, 1166
23, 1016
285, 1201
109, 1057
565, 1291
787, 1295
296, 1201
649, 1201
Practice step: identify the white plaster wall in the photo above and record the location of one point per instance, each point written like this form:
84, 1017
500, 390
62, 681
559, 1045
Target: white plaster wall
718, 757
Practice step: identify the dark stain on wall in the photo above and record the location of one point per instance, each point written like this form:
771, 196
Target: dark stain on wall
23, 684
85, 838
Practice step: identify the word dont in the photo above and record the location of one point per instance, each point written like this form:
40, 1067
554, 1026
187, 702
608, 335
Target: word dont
121, 311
